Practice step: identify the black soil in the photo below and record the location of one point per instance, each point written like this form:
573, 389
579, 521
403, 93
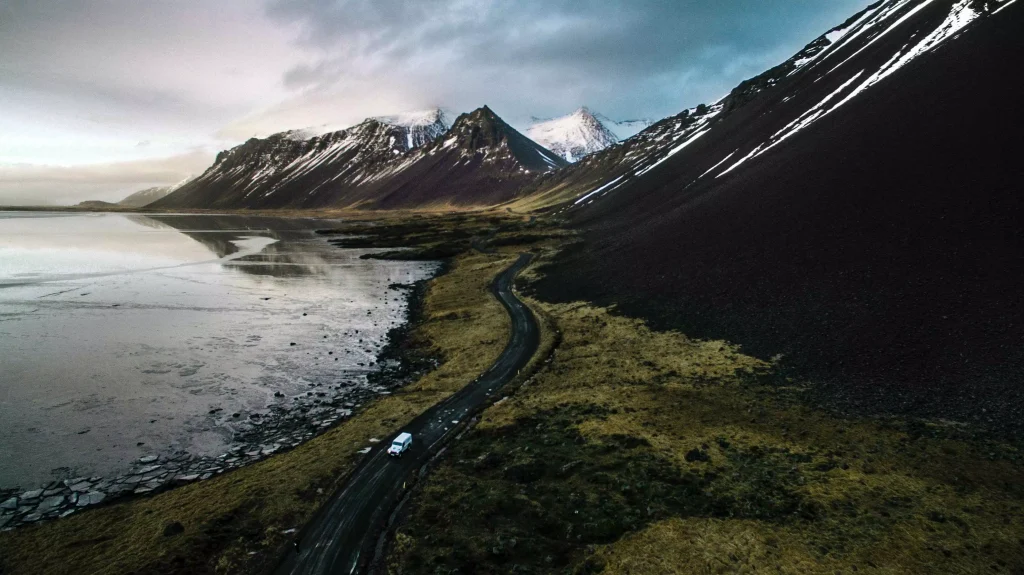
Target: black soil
880, 251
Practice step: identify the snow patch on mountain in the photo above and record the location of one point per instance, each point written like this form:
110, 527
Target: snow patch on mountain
961, 14
422, 126
573, 136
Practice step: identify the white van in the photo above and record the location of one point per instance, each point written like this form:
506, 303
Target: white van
400, 444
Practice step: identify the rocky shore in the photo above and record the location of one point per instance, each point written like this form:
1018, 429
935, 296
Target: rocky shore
257, 435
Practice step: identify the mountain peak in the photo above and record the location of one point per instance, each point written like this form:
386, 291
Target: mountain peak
573, 136
482, 132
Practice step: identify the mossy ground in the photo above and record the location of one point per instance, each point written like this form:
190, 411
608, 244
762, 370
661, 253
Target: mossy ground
235, 523
635, 451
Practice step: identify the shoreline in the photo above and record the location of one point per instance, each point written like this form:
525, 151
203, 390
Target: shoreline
278, 428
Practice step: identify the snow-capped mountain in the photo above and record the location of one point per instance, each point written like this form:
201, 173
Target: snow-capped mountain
379, 162
855, 209
867, 38
573, 136
481, 160
283, 169
582, 133
423, 126
145, 197
624, 129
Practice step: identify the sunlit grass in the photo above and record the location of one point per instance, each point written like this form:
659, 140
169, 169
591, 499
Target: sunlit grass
635, 451
235, 522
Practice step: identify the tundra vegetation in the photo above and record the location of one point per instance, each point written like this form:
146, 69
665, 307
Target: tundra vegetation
638, 451
622, 450
239, 522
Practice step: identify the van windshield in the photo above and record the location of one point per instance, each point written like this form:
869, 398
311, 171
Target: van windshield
397, 444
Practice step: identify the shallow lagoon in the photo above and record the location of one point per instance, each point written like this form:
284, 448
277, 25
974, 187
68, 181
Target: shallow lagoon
123, 336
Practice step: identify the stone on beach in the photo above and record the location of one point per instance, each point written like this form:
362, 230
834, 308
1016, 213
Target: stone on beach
91, 498
11, 504
148, 458
81, 487
49, 504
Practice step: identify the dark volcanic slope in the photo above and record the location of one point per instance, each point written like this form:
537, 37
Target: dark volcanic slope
481, 160
879, 248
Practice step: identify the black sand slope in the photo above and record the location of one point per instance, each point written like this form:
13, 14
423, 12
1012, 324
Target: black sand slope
880, 250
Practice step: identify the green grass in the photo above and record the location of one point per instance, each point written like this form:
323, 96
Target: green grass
234, 523
636, 451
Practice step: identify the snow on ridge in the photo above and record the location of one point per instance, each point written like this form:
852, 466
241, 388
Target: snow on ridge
418, 118
573, 136
960, 15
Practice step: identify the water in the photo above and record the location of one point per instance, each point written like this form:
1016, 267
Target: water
120, 333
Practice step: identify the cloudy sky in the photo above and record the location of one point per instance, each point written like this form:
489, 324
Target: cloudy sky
99, 98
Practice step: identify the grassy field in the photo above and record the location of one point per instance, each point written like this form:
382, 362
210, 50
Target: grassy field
645, 452
627, 451
236, 523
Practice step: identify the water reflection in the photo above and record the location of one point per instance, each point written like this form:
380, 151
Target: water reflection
119, 333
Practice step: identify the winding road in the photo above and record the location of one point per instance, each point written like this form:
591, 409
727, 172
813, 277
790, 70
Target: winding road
341, 537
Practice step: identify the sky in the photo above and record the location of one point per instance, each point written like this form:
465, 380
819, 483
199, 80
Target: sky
100, 98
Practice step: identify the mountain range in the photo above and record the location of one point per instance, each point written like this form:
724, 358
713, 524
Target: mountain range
853, 210
389, 162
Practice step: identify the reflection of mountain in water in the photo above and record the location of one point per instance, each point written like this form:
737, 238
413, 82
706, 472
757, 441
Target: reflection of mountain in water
286, 258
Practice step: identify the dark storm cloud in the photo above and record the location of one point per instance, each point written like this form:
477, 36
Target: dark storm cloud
627, 58
82, 82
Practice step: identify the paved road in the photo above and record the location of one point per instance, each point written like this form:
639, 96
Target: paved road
341, 537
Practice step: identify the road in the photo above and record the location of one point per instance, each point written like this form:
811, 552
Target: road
341, 537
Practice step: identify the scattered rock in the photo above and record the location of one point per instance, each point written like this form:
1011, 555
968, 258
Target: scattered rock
81, 487
148, 458
49, 504
11, 504
34, 494
173, 529
90, 498
697, 455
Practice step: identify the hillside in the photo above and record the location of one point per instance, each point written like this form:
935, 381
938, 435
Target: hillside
390, 162
853, 212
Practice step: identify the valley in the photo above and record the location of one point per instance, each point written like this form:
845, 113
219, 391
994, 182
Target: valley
776, 332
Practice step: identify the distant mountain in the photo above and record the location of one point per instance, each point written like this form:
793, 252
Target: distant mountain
854, 210
624, 129
380, 162
145, 197
95, 205
581, 133
573, 136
